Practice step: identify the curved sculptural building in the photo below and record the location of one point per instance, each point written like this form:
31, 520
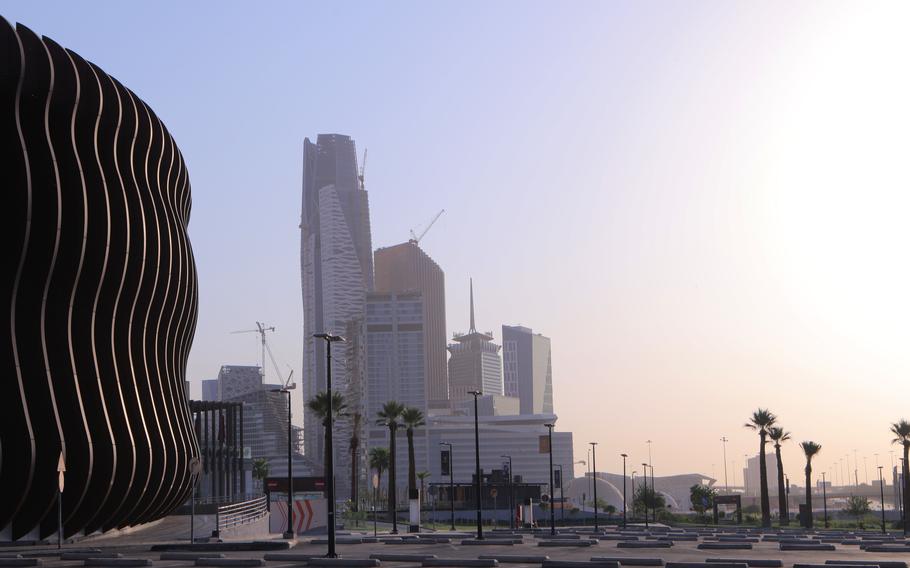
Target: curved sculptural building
99, 294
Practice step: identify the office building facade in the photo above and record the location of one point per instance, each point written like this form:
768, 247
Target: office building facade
474, 363
527, 369
336, 274
407, 268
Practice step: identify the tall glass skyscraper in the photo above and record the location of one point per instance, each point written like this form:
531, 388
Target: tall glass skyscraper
336, 264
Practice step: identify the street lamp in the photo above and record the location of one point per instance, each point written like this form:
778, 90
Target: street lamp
726, 484
451, 481
881, 485
825, 498
644, 493
552, 497
624, 456
477, 466
511, 494
329, 461
594, 479
289, 533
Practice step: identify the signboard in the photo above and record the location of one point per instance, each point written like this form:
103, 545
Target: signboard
557, 478
544, 444
309, 514
494, 492
445, 463
300, 484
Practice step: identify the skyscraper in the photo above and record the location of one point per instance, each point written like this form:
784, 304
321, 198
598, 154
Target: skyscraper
527, 369
475, 363
336, 264
396, 368
407, 268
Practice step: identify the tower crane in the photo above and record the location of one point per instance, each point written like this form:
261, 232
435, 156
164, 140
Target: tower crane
415, 238
363, 167
261, 329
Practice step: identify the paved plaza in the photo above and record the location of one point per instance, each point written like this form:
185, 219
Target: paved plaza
609, 548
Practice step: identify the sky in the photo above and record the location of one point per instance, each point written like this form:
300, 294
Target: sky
703, 204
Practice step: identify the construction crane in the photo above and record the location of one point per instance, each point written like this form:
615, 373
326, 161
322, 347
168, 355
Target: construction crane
363, 167
415, 238
261, 329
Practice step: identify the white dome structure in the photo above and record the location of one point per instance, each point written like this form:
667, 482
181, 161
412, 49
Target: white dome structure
606, 491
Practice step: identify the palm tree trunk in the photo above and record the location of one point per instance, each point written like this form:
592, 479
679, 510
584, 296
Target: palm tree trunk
354, 478
393, 503
763, 476
808, 496
412, 466
906, 475
781, 489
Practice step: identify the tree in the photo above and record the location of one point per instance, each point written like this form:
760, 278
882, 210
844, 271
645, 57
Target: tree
702, 498
319, 405
354, 446
645, 498
260, 470
379, 460
858, 506
388, 417
610, 510
778, 435
412, 418
810, 449
901, 431
760, 421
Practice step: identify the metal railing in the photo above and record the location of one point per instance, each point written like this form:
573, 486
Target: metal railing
236, 514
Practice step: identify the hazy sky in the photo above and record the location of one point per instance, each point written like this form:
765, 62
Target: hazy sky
703, 204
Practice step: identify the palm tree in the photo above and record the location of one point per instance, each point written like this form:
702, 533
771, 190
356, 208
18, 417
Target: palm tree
260, 470
902, 432
412, 418
379, 460
760, 421
779, 436
319, 405
388, 417
354, 446
422, 476
810, 449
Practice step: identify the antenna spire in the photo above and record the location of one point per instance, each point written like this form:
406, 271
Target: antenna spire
473, 329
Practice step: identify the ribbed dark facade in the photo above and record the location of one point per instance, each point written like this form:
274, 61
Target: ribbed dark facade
99, 289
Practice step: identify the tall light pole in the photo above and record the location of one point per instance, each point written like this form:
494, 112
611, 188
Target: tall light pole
451, 481
726, 484
654, 494
644, 493
329, 458
624, 501
825, 498
289, 533
589, 477
562, 495
881, 486
477, 466
511, 494
552, 497
594, 480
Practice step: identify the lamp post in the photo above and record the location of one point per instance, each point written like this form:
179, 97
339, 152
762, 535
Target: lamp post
477, 466
451, 481
562, 496
644, 493
624, 456
726, 484
593, 479
825, 498
511, 494
881, 486
289, 533
653, 494
552, 500
329, 459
